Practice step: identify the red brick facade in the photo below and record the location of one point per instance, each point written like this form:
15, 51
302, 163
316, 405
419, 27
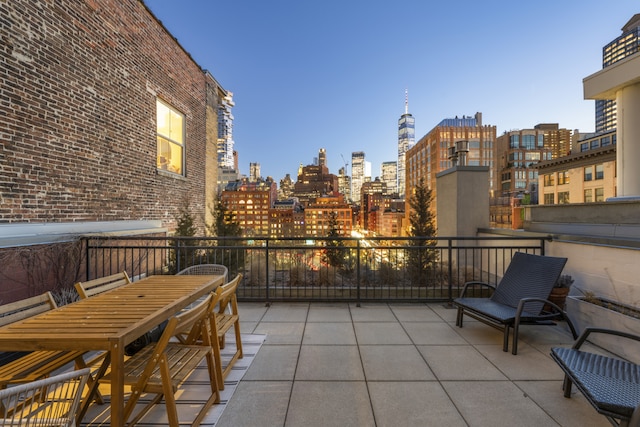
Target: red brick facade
78, 88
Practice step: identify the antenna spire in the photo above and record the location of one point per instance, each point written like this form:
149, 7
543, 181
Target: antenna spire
406, 101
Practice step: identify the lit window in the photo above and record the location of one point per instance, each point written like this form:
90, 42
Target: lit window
548, 198
549, 180
170, 137
599, 194
588, 195
563, 197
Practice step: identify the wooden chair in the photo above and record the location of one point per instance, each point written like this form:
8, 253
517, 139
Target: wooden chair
221, 322
103, 284
161, 367
24, 366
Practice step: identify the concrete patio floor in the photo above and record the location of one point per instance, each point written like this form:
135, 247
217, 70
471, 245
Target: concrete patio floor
336, 364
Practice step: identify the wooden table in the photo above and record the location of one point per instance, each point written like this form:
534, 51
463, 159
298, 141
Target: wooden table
109, 321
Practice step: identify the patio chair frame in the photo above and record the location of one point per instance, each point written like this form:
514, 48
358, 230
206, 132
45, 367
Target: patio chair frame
518, 299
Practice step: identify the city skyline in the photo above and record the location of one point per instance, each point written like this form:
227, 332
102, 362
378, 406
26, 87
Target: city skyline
334, 75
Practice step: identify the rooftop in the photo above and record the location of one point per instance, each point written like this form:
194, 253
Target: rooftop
325, 364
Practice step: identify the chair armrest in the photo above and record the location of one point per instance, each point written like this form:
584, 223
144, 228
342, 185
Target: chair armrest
474, 283
589, 330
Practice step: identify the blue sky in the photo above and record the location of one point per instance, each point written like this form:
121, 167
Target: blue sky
332, 74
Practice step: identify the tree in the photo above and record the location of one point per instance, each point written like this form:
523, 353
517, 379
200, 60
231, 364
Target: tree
226, 227
421, 219
183, 256
334, 254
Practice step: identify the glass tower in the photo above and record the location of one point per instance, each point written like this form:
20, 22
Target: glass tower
406, 139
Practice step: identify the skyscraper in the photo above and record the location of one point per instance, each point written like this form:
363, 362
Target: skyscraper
406, 139
625, 45
357, 174
254, 172
225, 132
389, 174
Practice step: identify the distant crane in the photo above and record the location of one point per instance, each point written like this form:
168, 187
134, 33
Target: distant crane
345, 164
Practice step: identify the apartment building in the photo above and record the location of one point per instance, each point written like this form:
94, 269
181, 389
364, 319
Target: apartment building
251, 203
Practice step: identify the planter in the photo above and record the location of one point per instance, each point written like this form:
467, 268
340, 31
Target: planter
610, 315
558, 296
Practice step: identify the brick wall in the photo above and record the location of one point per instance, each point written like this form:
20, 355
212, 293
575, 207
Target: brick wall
78, 87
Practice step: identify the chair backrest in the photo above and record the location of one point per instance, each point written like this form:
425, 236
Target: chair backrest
206, 269
26, 308
52, 401
103, 284
225, 295
191, 322
528, 276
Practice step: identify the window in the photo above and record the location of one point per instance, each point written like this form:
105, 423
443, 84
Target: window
170, 137
588, 195
563, 177
529, 142
563, 197
595, 144
548, 198
540, 140
584, 146
599, 171
605, 141
549, 180
588, 173
514, 141
600, 194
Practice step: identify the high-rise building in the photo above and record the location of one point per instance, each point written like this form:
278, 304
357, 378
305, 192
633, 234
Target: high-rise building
315, 181
344, 183
250, 202
406, 139
254, 171
389, 175
322, 157
621, 47
225, 132
519, 151
371, 201
430, 155
357, 174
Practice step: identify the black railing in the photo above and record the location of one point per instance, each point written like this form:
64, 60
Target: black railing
320, 269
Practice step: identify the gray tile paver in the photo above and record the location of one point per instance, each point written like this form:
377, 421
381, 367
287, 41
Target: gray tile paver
329, 363
380, 333
410, 404
394, 363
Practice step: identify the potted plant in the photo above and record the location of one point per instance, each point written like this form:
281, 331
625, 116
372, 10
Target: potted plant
559, 293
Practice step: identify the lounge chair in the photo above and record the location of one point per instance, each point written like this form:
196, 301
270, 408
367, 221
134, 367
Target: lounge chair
518, 299
610, 384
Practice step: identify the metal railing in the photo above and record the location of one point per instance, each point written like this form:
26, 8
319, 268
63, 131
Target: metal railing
320, 269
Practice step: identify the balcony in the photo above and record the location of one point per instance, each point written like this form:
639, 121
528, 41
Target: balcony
387, 364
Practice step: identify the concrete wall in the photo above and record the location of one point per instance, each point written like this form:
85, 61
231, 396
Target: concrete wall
462, 205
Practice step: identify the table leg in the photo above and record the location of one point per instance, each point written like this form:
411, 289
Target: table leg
117, 385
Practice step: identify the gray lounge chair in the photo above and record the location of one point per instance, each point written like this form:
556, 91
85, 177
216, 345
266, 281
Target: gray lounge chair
519, 298
610, 384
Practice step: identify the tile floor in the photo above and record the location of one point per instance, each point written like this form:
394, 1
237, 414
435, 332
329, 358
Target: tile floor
336, 364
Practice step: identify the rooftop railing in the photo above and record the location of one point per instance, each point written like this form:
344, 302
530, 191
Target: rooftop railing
320, 269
